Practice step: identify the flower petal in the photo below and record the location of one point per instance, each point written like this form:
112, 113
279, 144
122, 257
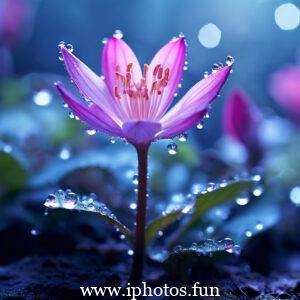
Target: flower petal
241, 118
171, 56
196, 100
93, 115
89, 84
117, 53
140, 132
181, 125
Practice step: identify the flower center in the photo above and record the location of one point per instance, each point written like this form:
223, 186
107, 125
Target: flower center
125, 85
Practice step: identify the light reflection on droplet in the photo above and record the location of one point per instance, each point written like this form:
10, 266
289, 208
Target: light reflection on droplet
209, 35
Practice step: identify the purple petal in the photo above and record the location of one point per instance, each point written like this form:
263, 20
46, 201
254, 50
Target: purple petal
181, 125
92, 115
195, 102
241, 118
89, 84
117, 53
171, 56
140, 132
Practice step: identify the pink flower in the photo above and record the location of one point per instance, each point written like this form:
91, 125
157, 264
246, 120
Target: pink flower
241, 119
285, 89
14, 19
133, 103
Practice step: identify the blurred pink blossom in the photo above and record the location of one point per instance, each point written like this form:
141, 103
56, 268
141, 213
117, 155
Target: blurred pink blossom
241, 121
285, 89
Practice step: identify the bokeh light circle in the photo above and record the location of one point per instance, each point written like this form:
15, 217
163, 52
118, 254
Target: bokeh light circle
287, 16
209, 35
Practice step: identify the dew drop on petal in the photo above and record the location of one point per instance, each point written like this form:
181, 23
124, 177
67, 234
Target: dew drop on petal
104, 40
70, 47
172, 149
229, 60
183, 137
113, 140
205, 74
118, 34
200, 125
91, 131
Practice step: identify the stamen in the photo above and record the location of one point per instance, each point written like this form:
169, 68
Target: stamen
126, 87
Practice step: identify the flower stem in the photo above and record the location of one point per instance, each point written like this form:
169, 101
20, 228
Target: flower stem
139, 244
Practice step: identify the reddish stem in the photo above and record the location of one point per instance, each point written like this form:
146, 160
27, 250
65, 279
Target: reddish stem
139, 244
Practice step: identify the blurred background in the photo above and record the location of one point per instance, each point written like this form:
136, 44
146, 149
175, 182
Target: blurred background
42, 149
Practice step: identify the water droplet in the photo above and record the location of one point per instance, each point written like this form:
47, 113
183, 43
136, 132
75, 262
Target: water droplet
229, 60
71, 115
248, 233
259, 226
130, 252
34, 232
104, 40
211, 186
132, 206
135, 179
200, 125
66, 105
172, 149
183, 137
215, 68
70, 200
113, 140
206, 116
185, 68
70, 48
181, 35
64, 153
179, 85
223, 183
91, 131
256, 177
122, 237
236, 250
51, 201
60, 195
258, 191
242, 200
205, 74
210, 229
118, 34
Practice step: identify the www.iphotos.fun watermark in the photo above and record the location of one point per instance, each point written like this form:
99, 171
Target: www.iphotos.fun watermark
146, 291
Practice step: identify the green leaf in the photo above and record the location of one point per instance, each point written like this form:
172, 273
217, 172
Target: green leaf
181, 259
12, 174
219, 196
209, 200
71, 201
161, 223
